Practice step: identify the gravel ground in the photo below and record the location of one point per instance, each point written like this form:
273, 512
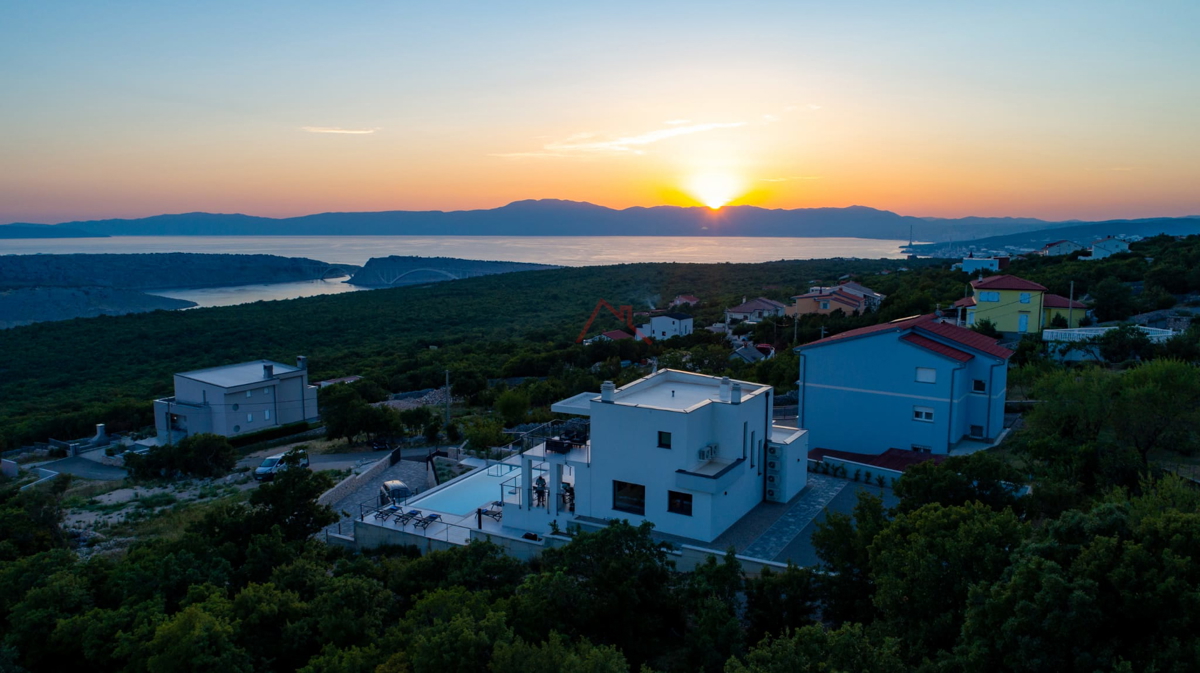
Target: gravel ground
408, 471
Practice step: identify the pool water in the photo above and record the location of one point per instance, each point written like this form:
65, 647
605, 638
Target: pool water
467, 494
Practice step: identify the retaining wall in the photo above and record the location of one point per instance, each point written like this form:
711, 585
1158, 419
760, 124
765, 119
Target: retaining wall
351, 484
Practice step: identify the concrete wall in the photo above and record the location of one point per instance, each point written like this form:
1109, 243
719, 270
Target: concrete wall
9, 468
859, 395
352, 483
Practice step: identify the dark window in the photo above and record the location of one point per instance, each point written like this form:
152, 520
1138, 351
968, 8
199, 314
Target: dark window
664, 440
629, 497
979, 386
679, 503
976, 430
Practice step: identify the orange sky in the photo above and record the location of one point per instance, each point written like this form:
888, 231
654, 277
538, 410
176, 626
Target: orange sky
1080, 111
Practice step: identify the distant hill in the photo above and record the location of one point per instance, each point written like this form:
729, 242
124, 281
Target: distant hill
1083, 234
571, 218
159, 270
21, 230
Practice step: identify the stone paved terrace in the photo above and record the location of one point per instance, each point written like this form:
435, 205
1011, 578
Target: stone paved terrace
410, 472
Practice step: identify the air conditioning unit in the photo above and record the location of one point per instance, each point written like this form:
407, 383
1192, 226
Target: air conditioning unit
704, 454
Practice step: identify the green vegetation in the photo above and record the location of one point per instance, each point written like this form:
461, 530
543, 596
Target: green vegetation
203, 455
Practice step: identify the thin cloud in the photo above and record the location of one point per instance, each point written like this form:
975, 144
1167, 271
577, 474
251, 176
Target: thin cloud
334, 129
676, 122
793, 177
770, 118
814, 106
582, 144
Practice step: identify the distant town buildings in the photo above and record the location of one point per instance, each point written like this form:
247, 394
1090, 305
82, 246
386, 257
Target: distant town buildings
1059, 248
847, 296
236, 399
684, 300
755, 310
1107, 247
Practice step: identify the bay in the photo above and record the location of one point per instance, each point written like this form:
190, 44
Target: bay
559, 250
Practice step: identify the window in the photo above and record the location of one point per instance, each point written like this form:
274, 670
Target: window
923, 414
266, 391
679, 503
1024, 297
237, 428
971, 317
235, 406
926, 375
664, 440
824, 306
922, 448
267, 414
249, 393
249, 418
979, 386
977, 431
629, 497
989, 296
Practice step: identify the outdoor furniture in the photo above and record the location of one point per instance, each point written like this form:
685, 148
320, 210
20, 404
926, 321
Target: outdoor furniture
411, 514
386, 512
424, 522
494, 511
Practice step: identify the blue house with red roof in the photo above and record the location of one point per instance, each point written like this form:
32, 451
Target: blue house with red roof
916, 384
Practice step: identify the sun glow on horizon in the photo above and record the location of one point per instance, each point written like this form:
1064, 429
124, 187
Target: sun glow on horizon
714, 189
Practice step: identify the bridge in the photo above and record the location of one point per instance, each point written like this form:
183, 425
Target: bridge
398, 271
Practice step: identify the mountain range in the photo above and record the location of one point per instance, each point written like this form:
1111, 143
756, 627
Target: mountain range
552, 217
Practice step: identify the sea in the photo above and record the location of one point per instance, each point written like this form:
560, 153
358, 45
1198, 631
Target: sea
560, 250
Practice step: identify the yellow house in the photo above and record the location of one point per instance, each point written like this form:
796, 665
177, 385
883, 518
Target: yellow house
1014, 305
1055, 305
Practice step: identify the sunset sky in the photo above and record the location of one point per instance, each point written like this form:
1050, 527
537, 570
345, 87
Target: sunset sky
1046, 109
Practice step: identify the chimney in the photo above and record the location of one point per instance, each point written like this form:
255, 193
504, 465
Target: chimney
606, 392
736, 394
100, 432
301, 362
268, 371
725, 386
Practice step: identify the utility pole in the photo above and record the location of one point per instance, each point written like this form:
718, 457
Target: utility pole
795, 325
822, 331
1071, 306
447, 398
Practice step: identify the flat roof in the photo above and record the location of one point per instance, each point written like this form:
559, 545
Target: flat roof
580, 405
678, 391
231, 376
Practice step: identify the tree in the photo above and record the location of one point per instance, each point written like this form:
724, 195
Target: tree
987, 328
556, 655
924, 564
30, 519
197, 640
777, 602
1124, 343
1113, 300
513, 405
289, 501
843, 544
1059, 321
1094, 591
977, 477
813, 649
202, 455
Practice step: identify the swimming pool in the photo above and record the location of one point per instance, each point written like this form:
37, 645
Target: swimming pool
465, 495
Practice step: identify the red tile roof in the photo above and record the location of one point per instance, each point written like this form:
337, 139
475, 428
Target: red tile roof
966, 337
617, 335
1059, 301
1003, 282
965, 301
929, 325
937, 347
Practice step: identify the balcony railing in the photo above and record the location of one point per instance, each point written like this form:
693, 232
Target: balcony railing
1155, 334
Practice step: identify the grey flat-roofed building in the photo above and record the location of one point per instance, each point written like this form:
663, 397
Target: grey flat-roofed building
236, 399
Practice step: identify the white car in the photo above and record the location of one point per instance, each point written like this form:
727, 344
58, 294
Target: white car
273, 464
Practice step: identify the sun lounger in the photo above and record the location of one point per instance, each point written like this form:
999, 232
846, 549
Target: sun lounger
425, 521
494, 510
411, 514
386, 512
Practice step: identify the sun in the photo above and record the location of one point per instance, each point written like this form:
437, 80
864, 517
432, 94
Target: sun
714, 189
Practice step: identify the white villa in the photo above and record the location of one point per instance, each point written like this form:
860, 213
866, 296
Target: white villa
236, 399
692, 454
666, 326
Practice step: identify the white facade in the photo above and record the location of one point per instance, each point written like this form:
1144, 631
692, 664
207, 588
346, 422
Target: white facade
974, 265
1060, 248
691, 453
1107, 247
236, 400
666, 326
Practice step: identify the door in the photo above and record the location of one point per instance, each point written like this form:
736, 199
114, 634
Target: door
1023, 323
